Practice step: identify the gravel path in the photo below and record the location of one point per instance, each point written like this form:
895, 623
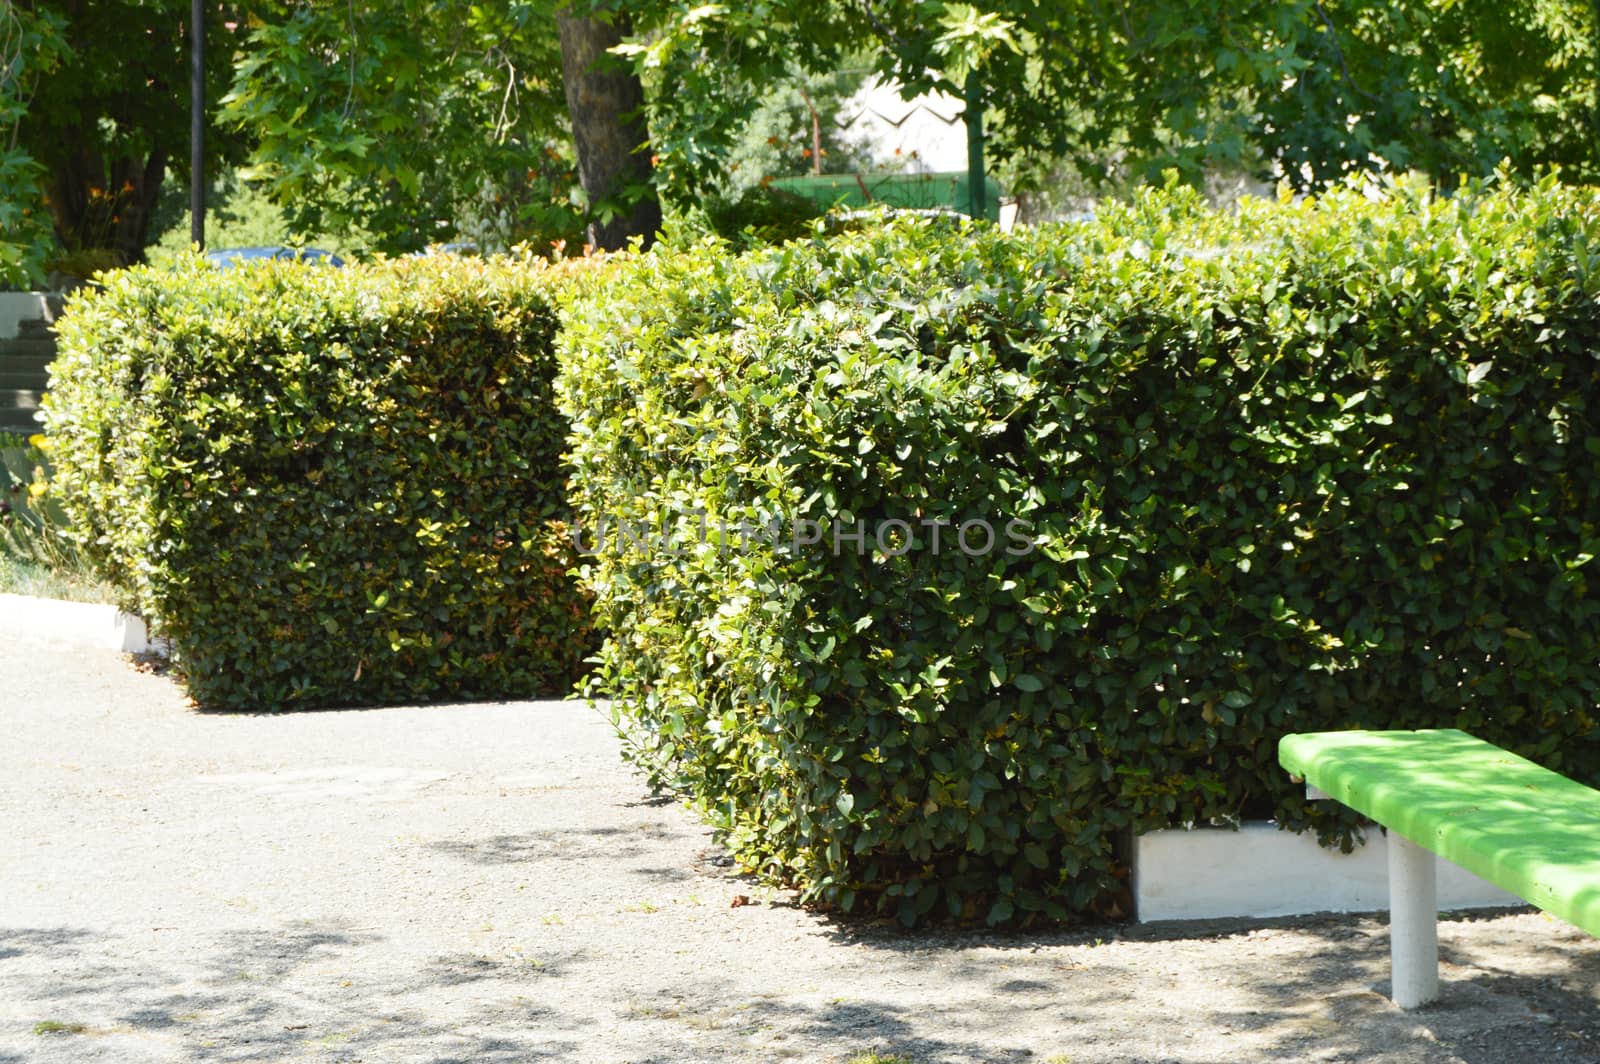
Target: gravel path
489, 883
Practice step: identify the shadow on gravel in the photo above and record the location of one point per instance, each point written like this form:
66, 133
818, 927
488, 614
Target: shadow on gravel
1483, 1016
886, 934
562, 844
1562, 1010
315, 711
715, 1019
15, 942
847, 1025
273, 996
1328, 1001
463, 968
654, 801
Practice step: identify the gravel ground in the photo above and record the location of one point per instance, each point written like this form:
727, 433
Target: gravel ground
490, 883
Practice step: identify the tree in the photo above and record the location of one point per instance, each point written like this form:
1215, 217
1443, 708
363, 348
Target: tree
419, 122
109, 118
706, 67
31, 47
605, 102
423, 122
1305, 90
414, 119
1446, 89
799, 126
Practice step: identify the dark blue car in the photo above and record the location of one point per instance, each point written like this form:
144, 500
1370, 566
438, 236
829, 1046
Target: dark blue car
227, 258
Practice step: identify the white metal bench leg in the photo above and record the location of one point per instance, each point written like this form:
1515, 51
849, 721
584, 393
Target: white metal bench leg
1413, 922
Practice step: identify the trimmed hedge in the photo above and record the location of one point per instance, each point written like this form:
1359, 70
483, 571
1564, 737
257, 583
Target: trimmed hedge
325, 486
1305, 466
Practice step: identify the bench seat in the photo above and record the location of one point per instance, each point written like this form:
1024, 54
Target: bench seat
1524, 828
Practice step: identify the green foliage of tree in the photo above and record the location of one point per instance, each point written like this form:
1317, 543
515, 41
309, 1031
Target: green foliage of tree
109, 118
31, 46
242, 214
1324, 88
424, 122
778, 138
1304, 89
709, 68
420, 122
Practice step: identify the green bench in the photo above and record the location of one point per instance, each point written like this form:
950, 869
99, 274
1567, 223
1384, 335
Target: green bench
1524, 828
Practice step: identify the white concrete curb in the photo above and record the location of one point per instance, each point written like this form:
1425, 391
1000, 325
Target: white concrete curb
1260, 871
79, 624
18, 307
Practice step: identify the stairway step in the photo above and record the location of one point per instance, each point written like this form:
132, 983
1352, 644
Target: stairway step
34, 364
36, 381
36, 329
19, 399
21, 347
19, 422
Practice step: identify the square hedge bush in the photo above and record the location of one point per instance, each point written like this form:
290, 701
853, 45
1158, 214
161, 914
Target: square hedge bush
1301, 466
325, 486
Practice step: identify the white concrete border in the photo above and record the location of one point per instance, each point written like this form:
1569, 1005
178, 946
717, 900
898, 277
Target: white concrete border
1260, 871
80, 624
18, 307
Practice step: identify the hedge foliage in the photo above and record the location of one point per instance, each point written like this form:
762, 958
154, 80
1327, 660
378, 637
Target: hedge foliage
1308, 465
327, 486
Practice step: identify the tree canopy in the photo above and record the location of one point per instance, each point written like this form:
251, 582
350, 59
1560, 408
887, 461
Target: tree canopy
31, 47
417, 121
1303, 90
105, 112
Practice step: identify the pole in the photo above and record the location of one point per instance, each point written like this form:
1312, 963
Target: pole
197, 122
1413, 923
973, 116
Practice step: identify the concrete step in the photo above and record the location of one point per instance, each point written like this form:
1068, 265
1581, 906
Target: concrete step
19, 399
35, 364
19, 422
34, 380
25, 347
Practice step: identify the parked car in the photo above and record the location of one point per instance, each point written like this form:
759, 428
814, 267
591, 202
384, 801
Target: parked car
227, 258
455, 247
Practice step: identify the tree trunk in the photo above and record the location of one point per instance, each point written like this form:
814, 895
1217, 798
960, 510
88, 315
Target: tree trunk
606, 105
106, 208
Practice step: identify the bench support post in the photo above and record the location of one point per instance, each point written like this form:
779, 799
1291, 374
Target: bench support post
1413, 923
